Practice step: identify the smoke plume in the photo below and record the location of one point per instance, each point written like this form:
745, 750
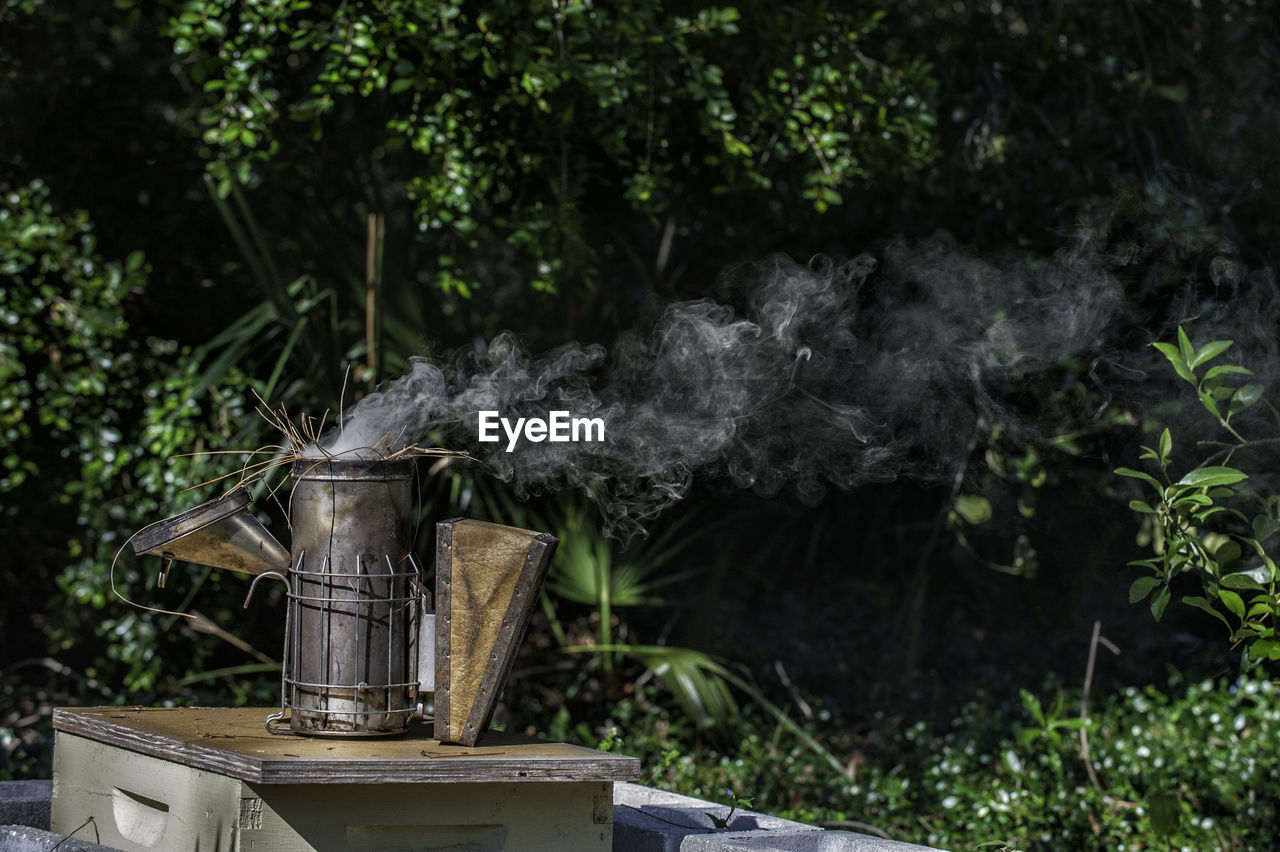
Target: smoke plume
805, 376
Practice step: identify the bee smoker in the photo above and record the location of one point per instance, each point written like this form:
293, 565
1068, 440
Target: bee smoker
355, 598
360, 640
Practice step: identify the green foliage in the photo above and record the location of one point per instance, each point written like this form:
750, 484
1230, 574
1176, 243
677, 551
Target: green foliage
1190, 766
735, 802
511, 124
1211, 522
91, 418
65, 335
294, 329
588, 570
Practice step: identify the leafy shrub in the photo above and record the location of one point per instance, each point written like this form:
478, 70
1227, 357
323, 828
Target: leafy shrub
65, 334
89, 421
1192, 764
1215, 521
512, 126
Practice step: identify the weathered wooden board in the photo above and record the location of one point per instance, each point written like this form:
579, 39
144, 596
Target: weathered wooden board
233, 742
487, 582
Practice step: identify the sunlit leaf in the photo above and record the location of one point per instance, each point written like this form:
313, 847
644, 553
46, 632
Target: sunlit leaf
1176, 359
1232, 602
1226, 369
1185, 349
1210, 351
1264, 649
1137, 474
1213, 475
1245, 397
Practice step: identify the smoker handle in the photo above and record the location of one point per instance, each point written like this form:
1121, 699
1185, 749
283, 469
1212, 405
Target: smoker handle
284, 667
276, 575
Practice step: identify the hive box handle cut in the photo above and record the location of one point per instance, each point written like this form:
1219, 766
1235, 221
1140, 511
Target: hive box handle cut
487, 581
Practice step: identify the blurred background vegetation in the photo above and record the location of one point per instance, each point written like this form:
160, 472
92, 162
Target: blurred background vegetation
200, 201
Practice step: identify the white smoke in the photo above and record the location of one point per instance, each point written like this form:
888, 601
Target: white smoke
834, 373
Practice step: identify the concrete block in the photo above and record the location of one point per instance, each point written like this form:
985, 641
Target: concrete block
806, 841
646, 819
650, 820
24, 838
25, 803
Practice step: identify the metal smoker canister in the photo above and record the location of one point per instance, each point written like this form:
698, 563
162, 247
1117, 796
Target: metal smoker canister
354, 598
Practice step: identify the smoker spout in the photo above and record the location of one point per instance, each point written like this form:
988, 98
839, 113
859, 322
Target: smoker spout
221, 533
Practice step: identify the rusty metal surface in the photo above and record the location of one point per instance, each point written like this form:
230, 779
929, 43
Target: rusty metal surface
443, 702
514, 623
487, 582
221, 533
354, 598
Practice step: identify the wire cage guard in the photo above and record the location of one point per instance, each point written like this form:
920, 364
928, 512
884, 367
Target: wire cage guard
354, 601
349, 651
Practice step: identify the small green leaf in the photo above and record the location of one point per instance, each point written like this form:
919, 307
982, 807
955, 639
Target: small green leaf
1264, 649
1266, 572
1137, 474
1226, 369
1210, 351
1033, 706
1213, 475
1187, 351
1139, 506
1226, 553
1210, 404
974, 509
1166, 445
1260, 607
1264, 526
1175, 358
1224, 548
1159, 602
1232, 601
1142, 587
1245, 397
1204, 604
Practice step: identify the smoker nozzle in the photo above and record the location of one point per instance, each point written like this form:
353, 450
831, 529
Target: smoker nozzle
221, 533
